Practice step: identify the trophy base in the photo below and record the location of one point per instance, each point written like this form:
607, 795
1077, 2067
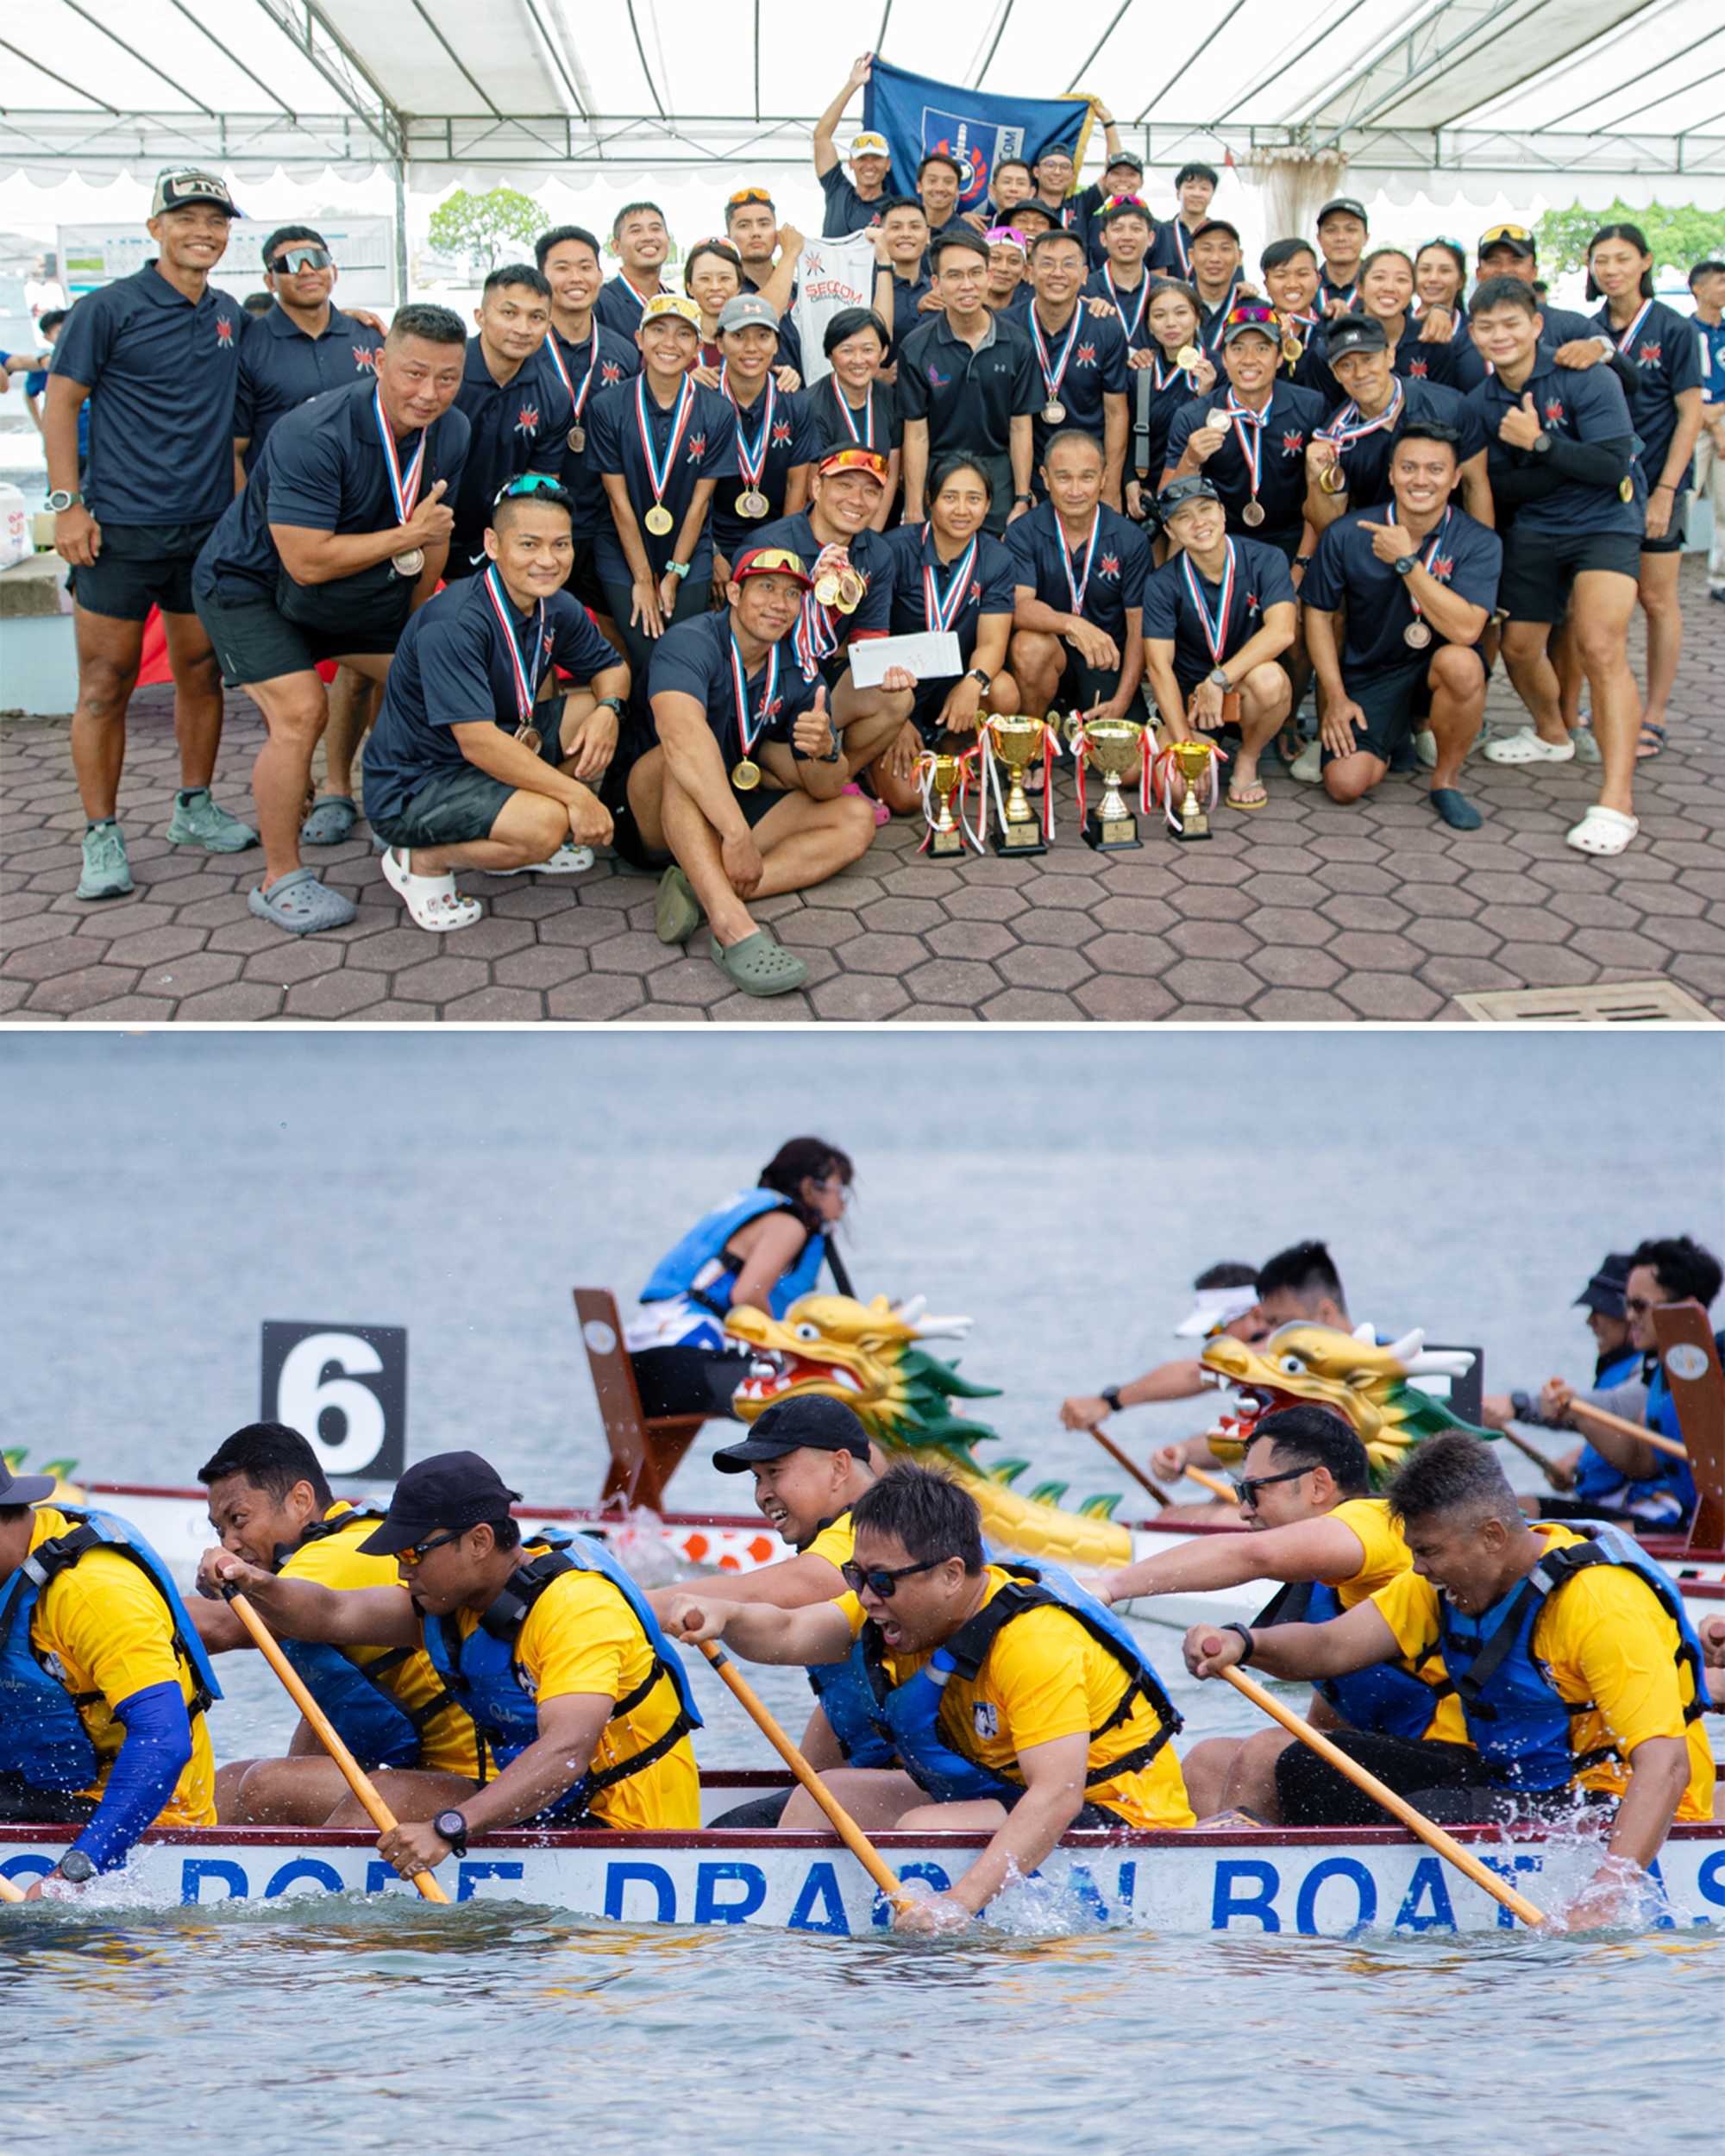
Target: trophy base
951, 841
1191, 827
1112, 834
1019, 838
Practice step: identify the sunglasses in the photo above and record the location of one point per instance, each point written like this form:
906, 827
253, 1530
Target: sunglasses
1637, 1306
1518, 232
546, 483
880, 1582
1247, 1487
293, 259
416, 1552
748, 194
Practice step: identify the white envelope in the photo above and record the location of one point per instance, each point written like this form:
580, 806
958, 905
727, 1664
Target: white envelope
930, 654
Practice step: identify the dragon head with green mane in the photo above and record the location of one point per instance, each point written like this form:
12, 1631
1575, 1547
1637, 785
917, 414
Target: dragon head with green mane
1372, 1386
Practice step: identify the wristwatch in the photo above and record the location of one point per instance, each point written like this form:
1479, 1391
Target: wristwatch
981, 677
610, 704
1244, 1632
1542, 444
1112, 1395
61, 499
453, 1829
77, 1865
1024, 498
1220, 676
1405, 564
678, 569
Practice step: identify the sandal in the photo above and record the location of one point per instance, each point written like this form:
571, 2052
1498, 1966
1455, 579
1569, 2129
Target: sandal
330, 822
1526, 745
1249, 797
300, 904
1603, 831
433, 901
569, 860
1652, 742
759, 965
677, 911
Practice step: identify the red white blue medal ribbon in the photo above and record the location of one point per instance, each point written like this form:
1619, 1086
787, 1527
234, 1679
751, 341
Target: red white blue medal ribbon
1182, 248
1166, 380
1634, 330
752, 462
1078, 587
1434, 548
659, 474
1130, 328
867, 438
526, 684
739, 683
1248, 431
404, 492
577, 397
1344, 431
940, 613
1052, 381
1216, 629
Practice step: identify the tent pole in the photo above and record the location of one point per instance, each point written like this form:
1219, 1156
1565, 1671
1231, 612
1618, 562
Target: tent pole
400, 229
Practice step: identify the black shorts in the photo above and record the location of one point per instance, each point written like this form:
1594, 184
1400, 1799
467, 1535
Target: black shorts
453, 807
1394, 706
765, 1812
141, 565
1677, 533
1449, 1783
1082, 686
1540, 567
254, 641
584, 578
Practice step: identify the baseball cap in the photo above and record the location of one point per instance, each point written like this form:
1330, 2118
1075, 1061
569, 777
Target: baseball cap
1194, 487
1252, 314
1355, 333
1515, 237
852, 458
770, 561
180, 186
868, 144
1215, 1306
1218, 224
1344, 206
806, 1419
663, 304
1006, 236
450, 1490
1123, 160
23, 1490
1604, 1292
745, 311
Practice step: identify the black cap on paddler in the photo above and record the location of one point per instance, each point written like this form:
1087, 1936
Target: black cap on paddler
1355, 333
807, 1419
450, 1490
23, 1490
1605, 1291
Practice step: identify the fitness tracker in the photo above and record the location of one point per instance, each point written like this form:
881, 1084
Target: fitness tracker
1112, 1395
1244, 1632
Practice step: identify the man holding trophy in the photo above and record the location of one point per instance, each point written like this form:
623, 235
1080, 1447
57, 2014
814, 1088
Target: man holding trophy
1218, 616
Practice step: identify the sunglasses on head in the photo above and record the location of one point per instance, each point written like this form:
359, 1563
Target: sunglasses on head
748, 194
1517, 232
416, 1552
1247, 1487
293, 259
532, 483
881, 1583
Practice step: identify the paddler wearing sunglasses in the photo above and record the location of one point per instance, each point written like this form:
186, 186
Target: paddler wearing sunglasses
1019, 1705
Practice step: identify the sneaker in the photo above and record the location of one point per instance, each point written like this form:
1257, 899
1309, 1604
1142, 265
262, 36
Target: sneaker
107, 872
198, 822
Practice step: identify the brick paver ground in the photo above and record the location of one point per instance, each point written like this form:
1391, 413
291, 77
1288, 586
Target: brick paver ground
1306, 911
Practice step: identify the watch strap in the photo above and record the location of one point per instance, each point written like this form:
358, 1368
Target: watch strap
1244, 1632
1112, 1395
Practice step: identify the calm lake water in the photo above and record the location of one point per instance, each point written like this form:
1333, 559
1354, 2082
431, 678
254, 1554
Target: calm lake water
164, 1195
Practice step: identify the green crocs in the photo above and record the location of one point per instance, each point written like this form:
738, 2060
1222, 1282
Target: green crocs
198, 822
759, 965
677, 911
107, 872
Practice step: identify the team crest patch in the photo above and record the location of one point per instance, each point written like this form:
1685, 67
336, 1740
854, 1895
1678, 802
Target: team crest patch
1649, 354
1418, 369
976, 594
781, 431
1554, 410
610, 371
697, 449
224, 331
1442, 566
527, 419
986, 1716
936, 379
1293, 445
366, 359
1109, 565
1086, 355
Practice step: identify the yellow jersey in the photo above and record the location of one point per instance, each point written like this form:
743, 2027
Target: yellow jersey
1387, 1559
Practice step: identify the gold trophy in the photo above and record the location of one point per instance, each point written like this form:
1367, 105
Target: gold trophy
1018, 742
1112, 748
946, 834
1195, 761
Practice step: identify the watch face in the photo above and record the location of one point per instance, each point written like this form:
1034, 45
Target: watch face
76, 1866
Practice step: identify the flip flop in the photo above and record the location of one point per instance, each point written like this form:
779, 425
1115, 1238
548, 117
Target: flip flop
300, 904
1603, 831
759, 965
677, 911
1242, 801
1457, 811
433, 901
1656, 735
330, 822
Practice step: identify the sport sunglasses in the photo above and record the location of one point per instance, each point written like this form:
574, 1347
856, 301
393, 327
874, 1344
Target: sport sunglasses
294, 259
881, 1583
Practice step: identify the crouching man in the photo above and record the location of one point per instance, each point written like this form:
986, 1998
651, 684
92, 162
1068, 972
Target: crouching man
474, 762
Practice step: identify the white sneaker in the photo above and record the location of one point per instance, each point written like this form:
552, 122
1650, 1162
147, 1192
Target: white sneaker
1525, 746
569, 860
1308, 766
1426, 748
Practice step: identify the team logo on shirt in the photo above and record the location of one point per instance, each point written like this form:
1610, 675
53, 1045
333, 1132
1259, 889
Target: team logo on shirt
781, 431
224, 332
1649, 354
610, 371
697, 449
975, 597
1554, 410
986, 1717
1086, 355
527, 419
1109, 565
816, 268
771, 711
1417, 369
1442, 565
936, 379
1294, 445
366, 358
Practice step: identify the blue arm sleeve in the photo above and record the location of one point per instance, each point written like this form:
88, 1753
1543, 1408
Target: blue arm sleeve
157, 1748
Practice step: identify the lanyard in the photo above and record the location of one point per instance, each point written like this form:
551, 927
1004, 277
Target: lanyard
1052, 382
1433, 545
1634, 329
1248, 431
752, 462
1182, 248
867, 438
739, 683
659, 476
1347, 297
1081, 585
1167, 381
1216, 631
940, 613
1225, 308
526, 684
579, 400
405, 492
1131, 327
1344, 432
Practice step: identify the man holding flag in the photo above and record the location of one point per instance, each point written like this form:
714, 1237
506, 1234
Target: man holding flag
920, 118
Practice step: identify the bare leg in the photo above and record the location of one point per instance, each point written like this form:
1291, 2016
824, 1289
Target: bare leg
1566, 663
1207, 1768
228, 1777
1037, 662
1458, 684
352, 707
295, 709
875, 1797
529, 827
1659, 603
1599, 617
109, 653
1251, 1785
1533, 677
196, 698
1266, 700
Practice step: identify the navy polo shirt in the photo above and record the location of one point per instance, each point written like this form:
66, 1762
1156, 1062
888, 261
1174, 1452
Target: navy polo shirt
1169, 389
162, 374
1412, 361
451, 668
1328, 289
322, 468
1096, 369
969, 398
846, 211
792, 439
1164, 256
873, 561
1262, 579
990, 586
693, 658
1345, 572
707, 452
520, 425
619, 306
1665, 354
1212, 321
281, 368
1099, 285
1581, 404
1563, 325
1119, 571
878, 426
1366, 461
909, 294
1289, 420
590, 369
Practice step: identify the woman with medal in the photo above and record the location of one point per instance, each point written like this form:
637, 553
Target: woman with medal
1439, 282
1386, 294
731, 708
949, 576
661, 443
1666, 404
776, 439
1417, 583
853, 406
1178, 372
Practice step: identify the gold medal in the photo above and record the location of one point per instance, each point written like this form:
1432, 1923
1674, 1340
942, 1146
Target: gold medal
1187, 356
1627, 490
659, 520
827, 587
1333, 479
745, 775
752, 503
1291, 348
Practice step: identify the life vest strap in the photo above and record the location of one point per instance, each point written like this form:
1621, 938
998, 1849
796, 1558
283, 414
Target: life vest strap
60, 1552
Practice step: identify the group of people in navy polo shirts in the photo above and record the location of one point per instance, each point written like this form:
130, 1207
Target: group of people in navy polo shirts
597, 570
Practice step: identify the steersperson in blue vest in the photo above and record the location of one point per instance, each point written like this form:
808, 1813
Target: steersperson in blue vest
1020, 1706
1579, 1675
584, 1706
763, 1247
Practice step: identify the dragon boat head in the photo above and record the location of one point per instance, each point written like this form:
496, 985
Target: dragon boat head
1349, 1373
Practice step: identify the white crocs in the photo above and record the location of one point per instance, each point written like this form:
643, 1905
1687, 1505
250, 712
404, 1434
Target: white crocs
433, 901
1525, 746
569, 860
1603, 831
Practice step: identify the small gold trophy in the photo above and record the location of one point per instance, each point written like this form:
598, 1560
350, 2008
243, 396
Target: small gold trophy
946, 834
1111, 747
1018, 742
1195, 761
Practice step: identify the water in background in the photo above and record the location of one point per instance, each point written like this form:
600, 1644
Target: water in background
166, 1194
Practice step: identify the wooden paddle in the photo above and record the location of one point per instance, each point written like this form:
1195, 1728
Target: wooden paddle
1606, 1420
1429, 1833
1215, 1485
1554, 1474
844, 1826
1127, 1464
352, 1772
8, 1891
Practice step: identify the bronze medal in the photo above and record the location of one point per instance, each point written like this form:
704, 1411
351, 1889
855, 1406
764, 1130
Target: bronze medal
1418, 633
745, 775
851, 587
1053, 412
530, 737
409, 562
1187, 356
1252, 514
578, 439
659, 520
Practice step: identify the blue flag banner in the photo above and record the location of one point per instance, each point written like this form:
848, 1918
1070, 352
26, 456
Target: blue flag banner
918, 115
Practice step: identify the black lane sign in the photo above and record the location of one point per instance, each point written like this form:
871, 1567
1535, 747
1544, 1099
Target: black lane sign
344, 1388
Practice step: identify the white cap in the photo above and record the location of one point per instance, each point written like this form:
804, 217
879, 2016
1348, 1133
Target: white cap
1215, 1308
870, 144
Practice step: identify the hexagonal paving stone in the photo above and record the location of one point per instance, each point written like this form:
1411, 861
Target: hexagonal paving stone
1390, 995
1043, 966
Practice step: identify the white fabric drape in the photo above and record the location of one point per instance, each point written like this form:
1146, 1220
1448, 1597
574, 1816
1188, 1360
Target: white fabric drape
1293, 185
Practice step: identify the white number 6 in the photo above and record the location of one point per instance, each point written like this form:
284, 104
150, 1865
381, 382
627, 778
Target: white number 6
304, 1396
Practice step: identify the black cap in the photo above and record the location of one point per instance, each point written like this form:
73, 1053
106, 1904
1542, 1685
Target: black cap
1194, 487
1218, 224
450, 1490
1348, 207
1605, 1291
23, 1490
1354, 333
814, 1419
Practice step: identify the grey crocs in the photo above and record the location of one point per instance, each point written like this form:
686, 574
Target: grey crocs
300, 904
759, 965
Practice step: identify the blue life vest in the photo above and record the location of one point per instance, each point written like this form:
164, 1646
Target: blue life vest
676, 1274
43, 1741
380, 1729
1388, 1698
1518, 1724
481, 1670
844, 1691
1664, 1498
908, 1715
